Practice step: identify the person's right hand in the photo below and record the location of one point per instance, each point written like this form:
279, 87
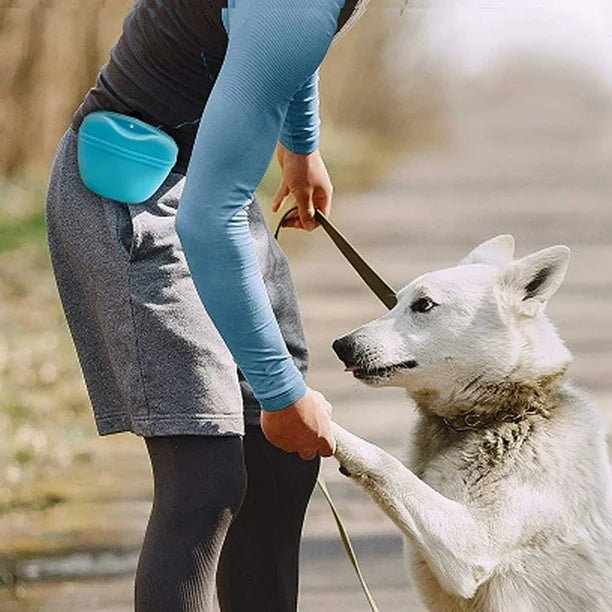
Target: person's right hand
305, 177
302, 427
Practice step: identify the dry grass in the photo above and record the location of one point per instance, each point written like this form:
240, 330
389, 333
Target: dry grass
42, 405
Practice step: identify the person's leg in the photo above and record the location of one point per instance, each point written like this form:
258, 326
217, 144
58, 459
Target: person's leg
199, 483
258, 568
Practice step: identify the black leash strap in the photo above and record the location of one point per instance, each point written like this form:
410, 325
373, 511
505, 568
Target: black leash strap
385, 293
388, 297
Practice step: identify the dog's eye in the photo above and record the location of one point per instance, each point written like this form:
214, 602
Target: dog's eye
422, 305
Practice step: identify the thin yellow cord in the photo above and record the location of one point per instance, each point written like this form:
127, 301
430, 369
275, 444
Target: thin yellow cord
347, 543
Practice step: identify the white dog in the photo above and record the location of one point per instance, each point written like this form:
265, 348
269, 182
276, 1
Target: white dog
507, 505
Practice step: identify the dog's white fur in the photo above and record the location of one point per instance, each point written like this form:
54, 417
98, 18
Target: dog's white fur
512, 516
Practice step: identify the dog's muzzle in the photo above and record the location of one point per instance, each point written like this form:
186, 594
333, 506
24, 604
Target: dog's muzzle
347, 351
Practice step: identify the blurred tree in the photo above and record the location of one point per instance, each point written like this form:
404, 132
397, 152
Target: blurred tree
86, 35
51, 52
23, 86
378, 78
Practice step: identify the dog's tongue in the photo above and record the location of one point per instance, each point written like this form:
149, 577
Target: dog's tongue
350, 368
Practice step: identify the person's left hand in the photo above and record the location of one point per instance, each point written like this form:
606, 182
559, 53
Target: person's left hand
305, 177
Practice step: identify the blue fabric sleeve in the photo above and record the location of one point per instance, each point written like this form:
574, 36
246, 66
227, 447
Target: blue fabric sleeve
300, 131
274, 47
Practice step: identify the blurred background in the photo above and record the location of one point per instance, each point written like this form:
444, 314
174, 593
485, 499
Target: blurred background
444, 123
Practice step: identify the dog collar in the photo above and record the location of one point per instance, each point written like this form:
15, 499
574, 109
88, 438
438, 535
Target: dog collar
469, 421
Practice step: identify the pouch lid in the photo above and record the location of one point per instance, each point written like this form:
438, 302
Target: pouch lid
130, 136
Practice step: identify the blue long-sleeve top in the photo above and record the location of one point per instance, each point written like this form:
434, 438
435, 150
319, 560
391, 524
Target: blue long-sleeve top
266, 90
176, 67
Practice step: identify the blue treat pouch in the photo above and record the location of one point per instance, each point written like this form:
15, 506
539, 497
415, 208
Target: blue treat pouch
122, 158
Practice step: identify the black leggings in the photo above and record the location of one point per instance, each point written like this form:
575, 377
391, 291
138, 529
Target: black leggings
226, 511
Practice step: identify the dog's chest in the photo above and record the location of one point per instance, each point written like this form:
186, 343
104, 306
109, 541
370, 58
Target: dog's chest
466, 467
446, 474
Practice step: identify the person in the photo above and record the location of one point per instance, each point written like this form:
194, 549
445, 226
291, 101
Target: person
182, 308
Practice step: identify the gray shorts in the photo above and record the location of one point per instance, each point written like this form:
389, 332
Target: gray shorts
152, 360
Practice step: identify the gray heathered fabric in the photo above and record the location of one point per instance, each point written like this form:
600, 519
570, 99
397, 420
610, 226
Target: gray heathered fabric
165, 63
152, 360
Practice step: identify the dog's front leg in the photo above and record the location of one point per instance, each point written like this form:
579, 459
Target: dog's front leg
455, 546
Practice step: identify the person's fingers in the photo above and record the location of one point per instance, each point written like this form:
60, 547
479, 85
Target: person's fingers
293, 218
292, 222
322, 402
306, 208
327, 445
307, 455
281, 194
322, 198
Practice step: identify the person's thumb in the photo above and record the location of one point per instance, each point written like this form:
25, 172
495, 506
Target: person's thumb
281, 194
306, 208
327, 445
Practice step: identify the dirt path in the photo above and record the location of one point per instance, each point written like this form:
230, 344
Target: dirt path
535, 175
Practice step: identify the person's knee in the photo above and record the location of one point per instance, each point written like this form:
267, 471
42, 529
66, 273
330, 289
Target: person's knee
199, 482
202, 503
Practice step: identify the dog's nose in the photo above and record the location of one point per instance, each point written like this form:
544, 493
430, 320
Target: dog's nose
345, 349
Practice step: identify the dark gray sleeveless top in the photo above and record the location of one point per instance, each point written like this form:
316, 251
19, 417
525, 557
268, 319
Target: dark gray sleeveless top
165, 63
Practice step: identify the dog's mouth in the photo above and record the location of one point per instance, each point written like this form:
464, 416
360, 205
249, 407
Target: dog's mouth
384, 371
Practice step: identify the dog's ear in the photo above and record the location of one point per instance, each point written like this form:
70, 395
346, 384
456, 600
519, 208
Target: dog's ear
496, 252
532, 280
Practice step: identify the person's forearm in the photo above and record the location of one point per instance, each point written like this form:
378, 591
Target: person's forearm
226, 273
300, 131
236, 138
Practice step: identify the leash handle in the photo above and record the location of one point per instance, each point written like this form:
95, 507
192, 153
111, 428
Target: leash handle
385, 293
